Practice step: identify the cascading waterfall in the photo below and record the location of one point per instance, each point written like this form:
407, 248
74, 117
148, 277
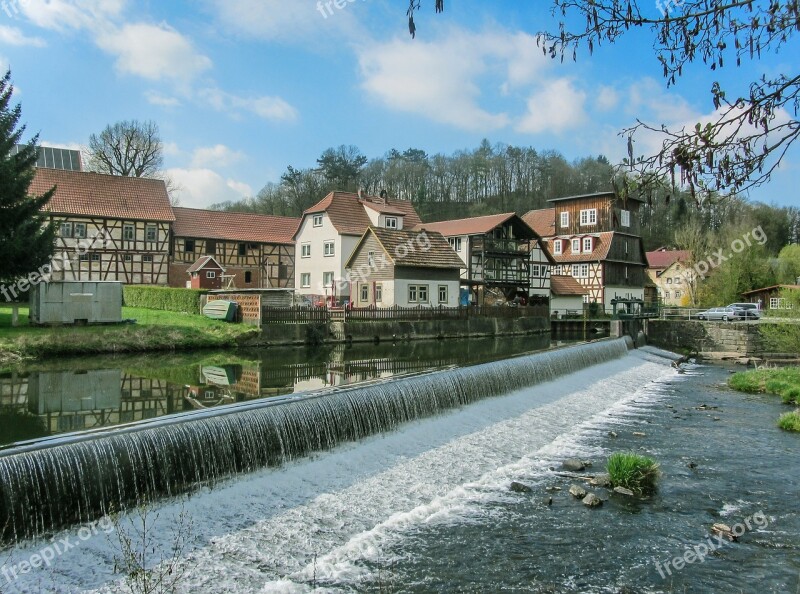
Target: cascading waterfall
54, 483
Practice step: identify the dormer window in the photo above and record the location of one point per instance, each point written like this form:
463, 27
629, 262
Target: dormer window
587, 245
557, 247
565, 219
576, 246
317, 220
391, 222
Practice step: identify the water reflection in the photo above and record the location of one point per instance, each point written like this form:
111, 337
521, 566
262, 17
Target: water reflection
80, 394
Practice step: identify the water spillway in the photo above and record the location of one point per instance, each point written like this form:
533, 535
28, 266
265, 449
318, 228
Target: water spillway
53, 483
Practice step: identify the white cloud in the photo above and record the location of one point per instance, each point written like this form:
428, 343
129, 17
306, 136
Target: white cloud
649, 100
556, 107
171, 149
156, 98
442, 80
268, 108
202, 187
14, 36
154, 52
69, 14
218, 156
607, 99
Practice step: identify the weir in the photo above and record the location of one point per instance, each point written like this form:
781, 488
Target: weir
53, 483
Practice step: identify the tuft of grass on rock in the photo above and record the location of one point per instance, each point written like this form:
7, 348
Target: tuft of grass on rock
634, 472
790, 421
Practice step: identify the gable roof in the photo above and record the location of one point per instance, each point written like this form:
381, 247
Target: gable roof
602, 244
202, 262
234, 226
98, 195
564, 285
772, 288
543, 221
477, 225
438, 255
664, 258
609, 193
346, 211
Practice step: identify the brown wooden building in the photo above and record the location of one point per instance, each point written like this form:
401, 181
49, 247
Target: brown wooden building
109, 228
206, 273
596, 239
257, 251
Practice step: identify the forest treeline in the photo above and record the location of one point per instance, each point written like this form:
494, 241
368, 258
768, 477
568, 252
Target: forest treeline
504, 178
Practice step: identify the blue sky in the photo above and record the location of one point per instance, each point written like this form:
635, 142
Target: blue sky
242, 88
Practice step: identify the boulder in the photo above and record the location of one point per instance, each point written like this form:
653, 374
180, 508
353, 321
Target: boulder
623, 491
573, 465
519, 487
577, 491
592, 500
601, 480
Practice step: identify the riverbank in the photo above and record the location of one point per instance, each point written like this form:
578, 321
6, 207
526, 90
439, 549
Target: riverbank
153, 331
783, 382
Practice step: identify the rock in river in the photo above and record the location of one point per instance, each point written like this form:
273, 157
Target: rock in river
592, 500
577, 491
573, 465
519, 487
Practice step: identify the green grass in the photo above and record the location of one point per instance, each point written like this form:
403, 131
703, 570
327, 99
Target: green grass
154, 330
790, 421
783, 382
632, 471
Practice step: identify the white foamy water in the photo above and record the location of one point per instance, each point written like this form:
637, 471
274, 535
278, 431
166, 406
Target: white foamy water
320, 519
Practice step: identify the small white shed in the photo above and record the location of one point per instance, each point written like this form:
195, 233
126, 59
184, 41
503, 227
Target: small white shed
68, 302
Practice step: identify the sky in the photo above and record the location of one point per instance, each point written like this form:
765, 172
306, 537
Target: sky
240, 89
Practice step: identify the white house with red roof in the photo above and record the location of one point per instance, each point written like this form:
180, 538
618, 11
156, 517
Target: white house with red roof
329, 232
672, 273
595, 239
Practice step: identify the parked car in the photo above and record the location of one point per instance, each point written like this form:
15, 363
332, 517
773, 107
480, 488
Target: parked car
721, 313
751, 309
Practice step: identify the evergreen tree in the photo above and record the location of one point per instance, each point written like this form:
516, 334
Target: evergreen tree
26, 237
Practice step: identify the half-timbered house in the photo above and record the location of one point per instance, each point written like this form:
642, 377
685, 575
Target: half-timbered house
496, 253
595, 238
256, 251
109, 228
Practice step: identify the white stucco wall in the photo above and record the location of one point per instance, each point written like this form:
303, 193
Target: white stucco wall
561, 304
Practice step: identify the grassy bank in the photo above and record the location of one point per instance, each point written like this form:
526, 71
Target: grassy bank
780, 382
153, 331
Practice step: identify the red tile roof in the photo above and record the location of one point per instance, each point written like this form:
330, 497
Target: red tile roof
543, 221
234, 226
564, 285
602, 243
665, 258
346, 211
202, 262
438, 254
470, 226
97, 195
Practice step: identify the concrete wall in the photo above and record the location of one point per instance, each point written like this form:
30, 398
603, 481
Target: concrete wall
740, 338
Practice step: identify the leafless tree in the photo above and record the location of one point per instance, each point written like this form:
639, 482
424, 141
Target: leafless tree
129, 148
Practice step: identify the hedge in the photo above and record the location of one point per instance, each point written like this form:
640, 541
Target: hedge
164, 298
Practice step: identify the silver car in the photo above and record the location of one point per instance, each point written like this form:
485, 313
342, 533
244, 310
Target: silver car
751, 311
720, 313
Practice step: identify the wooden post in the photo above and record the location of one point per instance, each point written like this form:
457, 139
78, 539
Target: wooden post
14, 315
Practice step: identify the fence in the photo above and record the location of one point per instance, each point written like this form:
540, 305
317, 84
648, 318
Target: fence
294, 315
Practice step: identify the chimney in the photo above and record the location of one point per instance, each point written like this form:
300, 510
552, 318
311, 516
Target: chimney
360, 194
383, 196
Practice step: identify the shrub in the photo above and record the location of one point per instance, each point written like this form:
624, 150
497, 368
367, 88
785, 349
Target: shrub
745, 382
634, 472
790, 421
791, 396
164, 298
775, 386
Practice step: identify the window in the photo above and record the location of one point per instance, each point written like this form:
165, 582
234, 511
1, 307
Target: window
188, 245
128, 258
242, 249
443, 294
128, 232
65, 230
576, 270
423, 293
584, 271
677, 280
625, 218
364, 293
536, 271
779, 303
80, 230
328, 249
211, 247
589, 216
211, 274
83, 257
378, 293
391, 222
587, 245
565, 219
677, 294
666, 294
669, 281
327, 278
305, 250
455, 243
248, 277
147, 258
305, 279
576, 246
95, 258
557, 246
626, 273
371, 259
151, 233
317, 220
412, 293
626, 246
